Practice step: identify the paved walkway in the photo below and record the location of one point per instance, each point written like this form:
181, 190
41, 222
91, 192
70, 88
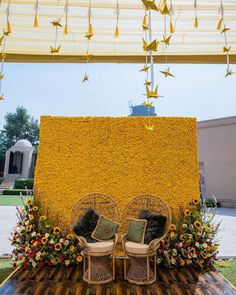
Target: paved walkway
226, 236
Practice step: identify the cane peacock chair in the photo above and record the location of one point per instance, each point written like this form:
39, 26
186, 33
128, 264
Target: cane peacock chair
141, 256
97, 255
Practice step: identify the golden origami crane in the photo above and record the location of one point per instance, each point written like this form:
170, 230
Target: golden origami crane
86, 78
1, 76
145, 68
55, 49
152, 93
167, 73
225, 30
2, 97
166, 40
219, 25
36, 22
164, 9
147, 83
117, 33
89, 34
56, 23
151, 46
145, 24
147, 104
196, 22
150, 5
226, 49
229, 72
88, 56
149, 127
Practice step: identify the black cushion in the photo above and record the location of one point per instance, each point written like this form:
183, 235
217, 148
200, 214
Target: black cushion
155, 225
86, 225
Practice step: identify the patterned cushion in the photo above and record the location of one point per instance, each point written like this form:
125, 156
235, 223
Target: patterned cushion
105, 229
136, 230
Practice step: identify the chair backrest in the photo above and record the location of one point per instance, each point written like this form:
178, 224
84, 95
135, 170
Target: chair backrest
102, 204
149, 202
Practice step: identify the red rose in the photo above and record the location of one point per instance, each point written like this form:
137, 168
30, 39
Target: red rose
41, 264
31, 255
25, 264
30, 212
62, 258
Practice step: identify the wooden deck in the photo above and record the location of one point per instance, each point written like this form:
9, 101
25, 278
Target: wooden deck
68, 281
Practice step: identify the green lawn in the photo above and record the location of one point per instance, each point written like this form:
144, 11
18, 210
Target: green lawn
5, 268
11, 200
228, 270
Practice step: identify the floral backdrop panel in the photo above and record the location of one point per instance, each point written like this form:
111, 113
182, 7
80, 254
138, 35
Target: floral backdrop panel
116, 157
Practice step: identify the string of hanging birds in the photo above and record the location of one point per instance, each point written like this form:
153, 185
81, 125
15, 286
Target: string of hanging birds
164, 9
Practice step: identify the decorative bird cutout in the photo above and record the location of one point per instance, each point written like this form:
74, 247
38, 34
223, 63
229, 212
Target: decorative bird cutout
150, 5
151, 93
164, 8
2, 97
225, 30
147, 104
55, 49
8, 26
229, 72
145, 24
89, 34
36, 22
6, 33
147, 83
88, 56
149, 127
86, 78
117, 33
167, 73
145, 68
166, 40
1, 39
1, 76
196, 22
56, 23
226, 49
219, 25
172, 30
151, 46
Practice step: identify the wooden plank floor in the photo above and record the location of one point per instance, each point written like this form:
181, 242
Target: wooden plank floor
68, 281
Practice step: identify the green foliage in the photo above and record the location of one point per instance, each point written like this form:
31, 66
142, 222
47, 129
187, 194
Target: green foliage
22, 183
5, 269
14, 192
1, 180
228, 270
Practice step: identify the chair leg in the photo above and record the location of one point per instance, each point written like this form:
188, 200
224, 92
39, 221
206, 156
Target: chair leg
155, 265
89, 268
125, 268
148, 269
113, 266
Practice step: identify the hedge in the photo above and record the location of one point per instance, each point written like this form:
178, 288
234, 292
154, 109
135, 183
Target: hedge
23, 183
1, 180
14, 192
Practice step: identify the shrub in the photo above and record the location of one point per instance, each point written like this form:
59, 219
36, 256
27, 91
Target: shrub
15, 192
22, 183
1, 180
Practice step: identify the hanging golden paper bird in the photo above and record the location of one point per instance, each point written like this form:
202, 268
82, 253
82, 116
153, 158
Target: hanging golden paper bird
145, 68
36, 22
86, 78
145, 24
117, 33
171, 27
150, 5
164, 8
88, 56
219, 25
1, 76
2, 39
229, 72
56, 23
151, 46
2, 97
147, 104
226, 49
89, 34
6, 33
196, 22
8, 26
55, 49
225, 30
149, 127
167, 73
166, 40
152, 93
147, 83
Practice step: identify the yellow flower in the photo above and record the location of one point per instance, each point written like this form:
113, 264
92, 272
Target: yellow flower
37, 257
79, 258
58, 247
195, 201
29, 202
53, 260
23, 258
67, 262
42, 218
31, 217
22, 211
216, 247
182, 262
56, 230
29, 228
188, 262
72, 248
35, 243
208, 248
70, 236
186, 212
44, 240
173, 226
172, 234
35, 208
197, 224
27, 248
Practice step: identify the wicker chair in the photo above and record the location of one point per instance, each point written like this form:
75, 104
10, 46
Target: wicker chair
97, 270
141, 256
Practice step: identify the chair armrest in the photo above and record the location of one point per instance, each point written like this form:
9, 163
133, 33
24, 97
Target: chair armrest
82, 242
154, 244
124, 240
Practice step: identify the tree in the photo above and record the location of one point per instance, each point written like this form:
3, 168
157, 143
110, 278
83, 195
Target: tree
19, 125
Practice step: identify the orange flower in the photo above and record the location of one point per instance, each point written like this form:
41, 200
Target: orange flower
58, 247
56, 230
172, 234
186, 212
67, 262
79, 258
35, 243
44, 240
70, 236
173, 227
31, 217
72, 248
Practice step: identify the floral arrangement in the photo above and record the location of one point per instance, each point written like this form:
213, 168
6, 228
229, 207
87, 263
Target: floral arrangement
38, 243
191, 240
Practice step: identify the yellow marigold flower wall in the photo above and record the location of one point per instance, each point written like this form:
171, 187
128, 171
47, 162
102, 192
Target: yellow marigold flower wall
117, 157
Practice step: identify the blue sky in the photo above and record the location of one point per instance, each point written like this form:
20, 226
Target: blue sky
55, 89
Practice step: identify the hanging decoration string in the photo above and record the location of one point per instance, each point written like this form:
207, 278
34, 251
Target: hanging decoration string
56, 23
117, 31
221, 26
195, 12
36, 21
88, 36
3, 56
66, 28
171, 28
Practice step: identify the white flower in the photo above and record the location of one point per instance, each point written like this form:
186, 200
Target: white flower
22, 228
190, 236
204, 245
184, 225
47, 235
27, 222
173, 261
34, 264
67, 242
61, 240
33, 234
51, 241
180, 244
38, 253
197, 244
